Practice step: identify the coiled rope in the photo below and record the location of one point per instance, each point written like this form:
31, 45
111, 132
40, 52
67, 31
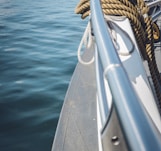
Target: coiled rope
138, 14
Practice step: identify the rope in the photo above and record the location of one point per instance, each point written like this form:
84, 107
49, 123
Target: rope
88, 45
138, 14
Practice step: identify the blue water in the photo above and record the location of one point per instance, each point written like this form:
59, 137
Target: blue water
38, 44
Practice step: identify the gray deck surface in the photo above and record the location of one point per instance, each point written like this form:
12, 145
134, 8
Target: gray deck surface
77, 129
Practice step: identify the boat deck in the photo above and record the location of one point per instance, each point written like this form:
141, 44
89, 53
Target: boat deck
77, 127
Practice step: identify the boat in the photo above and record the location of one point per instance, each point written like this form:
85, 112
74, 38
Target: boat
113, 102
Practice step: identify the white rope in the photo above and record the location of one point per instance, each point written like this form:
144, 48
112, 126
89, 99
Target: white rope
87, 44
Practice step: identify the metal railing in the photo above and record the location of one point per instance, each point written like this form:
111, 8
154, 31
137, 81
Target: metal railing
138, 129
155, 7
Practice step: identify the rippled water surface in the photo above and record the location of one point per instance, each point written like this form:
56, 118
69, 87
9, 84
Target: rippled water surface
38, 44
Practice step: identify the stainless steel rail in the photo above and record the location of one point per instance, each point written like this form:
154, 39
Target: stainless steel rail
156, 13
154, 3
138, 129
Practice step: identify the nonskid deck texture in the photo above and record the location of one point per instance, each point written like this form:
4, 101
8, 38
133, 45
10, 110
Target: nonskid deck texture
77, 127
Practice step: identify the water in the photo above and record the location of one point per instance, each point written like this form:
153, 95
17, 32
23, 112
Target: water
38, 43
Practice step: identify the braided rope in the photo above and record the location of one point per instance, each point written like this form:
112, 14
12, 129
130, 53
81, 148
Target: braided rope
142, 26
